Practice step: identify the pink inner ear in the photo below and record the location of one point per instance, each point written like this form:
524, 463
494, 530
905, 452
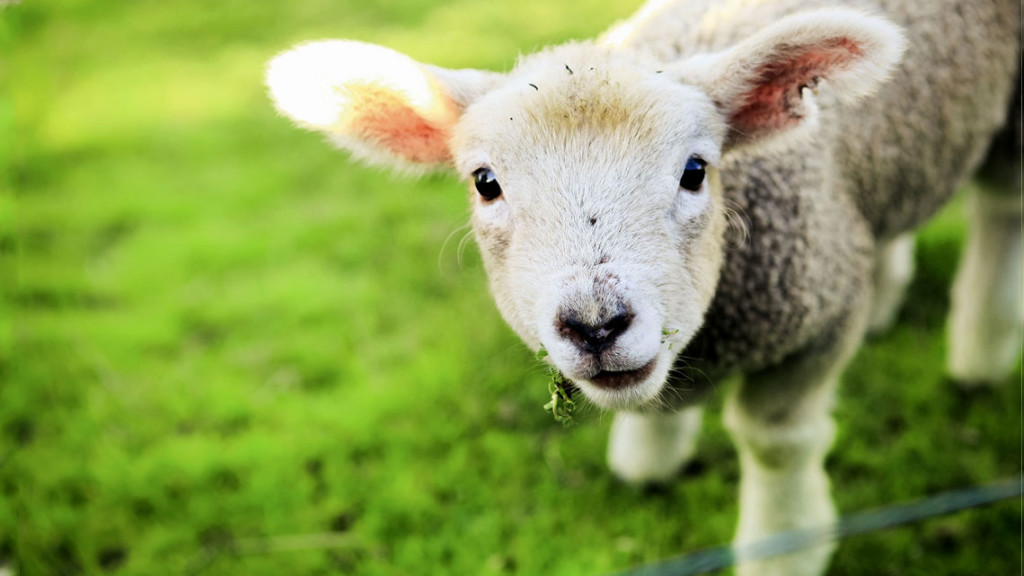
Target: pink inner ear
771, 103
385, 117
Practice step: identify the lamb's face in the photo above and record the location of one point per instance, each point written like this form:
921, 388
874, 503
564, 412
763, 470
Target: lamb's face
598, 213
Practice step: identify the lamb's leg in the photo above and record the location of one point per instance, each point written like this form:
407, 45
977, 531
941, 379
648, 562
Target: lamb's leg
894, 268
985, 321
652, 448
780, 420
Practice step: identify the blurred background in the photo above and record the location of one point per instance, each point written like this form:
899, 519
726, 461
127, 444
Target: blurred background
225, 349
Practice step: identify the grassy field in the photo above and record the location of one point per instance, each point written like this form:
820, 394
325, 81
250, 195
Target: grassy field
227, 350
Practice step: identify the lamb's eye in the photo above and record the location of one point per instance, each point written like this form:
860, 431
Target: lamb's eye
693, 174
486, 184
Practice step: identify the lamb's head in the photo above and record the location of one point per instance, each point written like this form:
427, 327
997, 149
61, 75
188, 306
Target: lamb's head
596, 201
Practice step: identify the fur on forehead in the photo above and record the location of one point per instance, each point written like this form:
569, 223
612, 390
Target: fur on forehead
586, 87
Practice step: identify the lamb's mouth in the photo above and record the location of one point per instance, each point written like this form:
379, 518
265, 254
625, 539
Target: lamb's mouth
618, 379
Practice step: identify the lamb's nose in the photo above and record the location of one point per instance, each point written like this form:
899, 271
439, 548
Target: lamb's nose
593, 338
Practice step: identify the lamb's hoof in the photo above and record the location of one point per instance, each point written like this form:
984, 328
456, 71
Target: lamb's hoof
988, 366
648, 449
970, 386
649, 475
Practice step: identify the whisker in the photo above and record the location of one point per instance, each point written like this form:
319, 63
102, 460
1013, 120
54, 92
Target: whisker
738, 231
444, 245
462, 246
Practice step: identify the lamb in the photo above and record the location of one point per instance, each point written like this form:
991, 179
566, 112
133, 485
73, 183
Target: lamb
710, 189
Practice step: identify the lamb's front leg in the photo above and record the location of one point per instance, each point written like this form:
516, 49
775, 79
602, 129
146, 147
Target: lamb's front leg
652, 448
781, 423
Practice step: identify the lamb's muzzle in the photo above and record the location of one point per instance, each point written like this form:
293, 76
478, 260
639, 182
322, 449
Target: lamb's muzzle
602, 331
595, 342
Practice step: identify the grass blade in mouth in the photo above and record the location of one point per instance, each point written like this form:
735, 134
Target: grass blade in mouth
561, 405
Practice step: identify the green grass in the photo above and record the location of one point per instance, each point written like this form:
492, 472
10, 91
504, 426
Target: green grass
216, 331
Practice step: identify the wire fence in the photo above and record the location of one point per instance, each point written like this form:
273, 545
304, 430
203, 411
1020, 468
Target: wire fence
715, 559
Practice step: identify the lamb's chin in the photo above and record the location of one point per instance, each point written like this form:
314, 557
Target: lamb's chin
630, 395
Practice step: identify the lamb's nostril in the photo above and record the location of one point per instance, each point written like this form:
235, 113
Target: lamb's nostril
618, 324
591, 338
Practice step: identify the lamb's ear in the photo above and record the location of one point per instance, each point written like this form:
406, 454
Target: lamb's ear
379, 104
759, 83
